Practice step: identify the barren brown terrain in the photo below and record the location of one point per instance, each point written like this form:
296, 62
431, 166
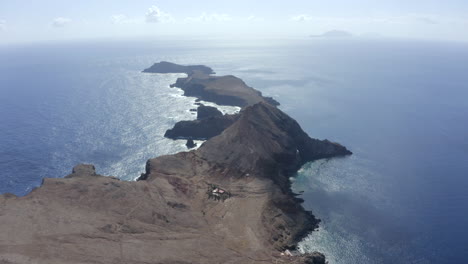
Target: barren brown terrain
229, 201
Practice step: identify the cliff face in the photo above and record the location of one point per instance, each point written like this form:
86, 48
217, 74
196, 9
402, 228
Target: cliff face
227, 202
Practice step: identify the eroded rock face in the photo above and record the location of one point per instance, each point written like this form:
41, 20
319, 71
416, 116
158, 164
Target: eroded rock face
204, 111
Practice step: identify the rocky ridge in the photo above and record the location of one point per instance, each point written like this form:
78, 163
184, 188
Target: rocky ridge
171, 214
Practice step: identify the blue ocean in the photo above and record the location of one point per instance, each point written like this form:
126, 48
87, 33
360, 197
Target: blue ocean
400, 105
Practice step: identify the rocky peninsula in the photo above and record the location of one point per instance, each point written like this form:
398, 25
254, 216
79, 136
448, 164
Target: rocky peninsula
229, 201
200, 83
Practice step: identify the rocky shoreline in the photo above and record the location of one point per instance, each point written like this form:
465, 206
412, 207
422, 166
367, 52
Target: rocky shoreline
178, 210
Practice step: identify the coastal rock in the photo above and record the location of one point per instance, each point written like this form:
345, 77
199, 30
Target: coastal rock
201, 129
83, 170
210, 122
315, 258
204, 111
190, 144
308, 258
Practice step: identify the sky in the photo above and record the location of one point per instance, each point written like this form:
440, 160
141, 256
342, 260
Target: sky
46, 20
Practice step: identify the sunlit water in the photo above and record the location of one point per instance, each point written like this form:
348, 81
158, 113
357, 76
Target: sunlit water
400, 106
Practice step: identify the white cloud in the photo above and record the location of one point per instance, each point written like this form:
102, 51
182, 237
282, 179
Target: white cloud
210, 17
301, 18
155, 15
61, 21
2, 25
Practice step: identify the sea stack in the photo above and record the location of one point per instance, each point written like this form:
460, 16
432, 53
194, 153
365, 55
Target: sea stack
190, 144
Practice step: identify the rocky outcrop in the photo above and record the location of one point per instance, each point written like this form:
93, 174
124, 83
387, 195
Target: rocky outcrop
190, 144
202, 129
204, 111
169, 67
314, 258
210, 122
83, 170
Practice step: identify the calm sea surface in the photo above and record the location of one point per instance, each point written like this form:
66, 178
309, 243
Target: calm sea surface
400, 106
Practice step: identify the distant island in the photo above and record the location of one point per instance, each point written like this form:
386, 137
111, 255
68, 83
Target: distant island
169, 67
229, 201
334, 34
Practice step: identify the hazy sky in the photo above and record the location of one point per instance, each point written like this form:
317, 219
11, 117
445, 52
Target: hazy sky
27, 21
